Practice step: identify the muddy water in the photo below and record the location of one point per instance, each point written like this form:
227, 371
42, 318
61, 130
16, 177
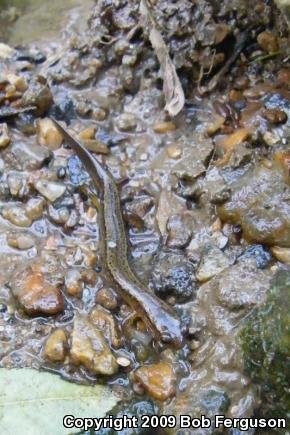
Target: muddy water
205, 197
27, 21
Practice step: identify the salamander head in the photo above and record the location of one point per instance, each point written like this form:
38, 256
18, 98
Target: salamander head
173, 335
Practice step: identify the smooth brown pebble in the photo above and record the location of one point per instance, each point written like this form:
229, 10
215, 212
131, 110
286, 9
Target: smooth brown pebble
268, 41
107, 298
37, 296
55, 346
164, 127
157, 379
47, 134
281, 254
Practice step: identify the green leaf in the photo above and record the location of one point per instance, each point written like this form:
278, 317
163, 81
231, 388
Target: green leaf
35, 403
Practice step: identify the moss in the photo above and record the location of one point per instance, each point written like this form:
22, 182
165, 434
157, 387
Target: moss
266, 345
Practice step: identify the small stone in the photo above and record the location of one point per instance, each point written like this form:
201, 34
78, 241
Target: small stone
213, 262
17, 81
126, 122
284, 76
140, 206
129, 59
173, 275
157, 379
30, 156
105, 322
268, 41
34, 208
4, 135
164, 127
174, 151
89, 276
17, 184
73, 283
90, 349
168, 203
55, 346
271, 138
123, 362
179, 232
87, 133
99, 114
281, 254
37, 296
5, 51
107, 298
216, 125
21, 241
50, 189
47, 134
38, 94
96, 146
16, 214
275, 116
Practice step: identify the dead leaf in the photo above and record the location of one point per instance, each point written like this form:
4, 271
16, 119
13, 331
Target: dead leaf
173, 92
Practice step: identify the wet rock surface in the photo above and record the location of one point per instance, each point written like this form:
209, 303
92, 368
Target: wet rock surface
173, 275
157, 379
90, 348
205, 196
37, 296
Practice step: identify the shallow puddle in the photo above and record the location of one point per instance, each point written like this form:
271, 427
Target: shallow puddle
27, 21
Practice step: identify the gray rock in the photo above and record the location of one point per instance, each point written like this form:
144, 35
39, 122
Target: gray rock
173, 274
213, 261
30, 156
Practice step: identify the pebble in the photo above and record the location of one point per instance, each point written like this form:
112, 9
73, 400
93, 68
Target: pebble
275, 116
87, 133
213, 261
21, 241
174, 151
281, 254
5, 51
173, 275
216, 125
89, 276
96, 146
179, 232
47, 134
17, 183
73, 283
260, 253
29, 155
37, 296
90, 349
126, 122
107, 298
34, 208
105, 322
123, 362
4, 135
19, 82
55, 346
140, 206
99, 114
16, 214
51, 190
157, 379
164, 127
271, 138
38, 94
268, 41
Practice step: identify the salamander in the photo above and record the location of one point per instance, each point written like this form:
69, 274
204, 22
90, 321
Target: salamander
158, 316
